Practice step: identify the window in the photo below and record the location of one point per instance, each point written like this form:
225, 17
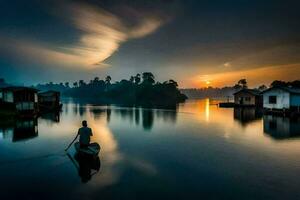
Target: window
247, 98
272, 99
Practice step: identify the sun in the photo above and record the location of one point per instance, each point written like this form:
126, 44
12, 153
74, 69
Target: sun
207, 82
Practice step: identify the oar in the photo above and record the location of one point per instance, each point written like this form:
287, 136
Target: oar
71, 143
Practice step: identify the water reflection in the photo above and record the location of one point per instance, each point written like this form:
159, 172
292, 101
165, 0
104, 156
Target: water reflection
281, 127
147, 118
144, 116
246, 115
87, 166
20, 130
52, 117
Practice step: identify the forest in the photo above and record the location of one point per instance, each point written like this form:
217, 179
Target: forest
141, 89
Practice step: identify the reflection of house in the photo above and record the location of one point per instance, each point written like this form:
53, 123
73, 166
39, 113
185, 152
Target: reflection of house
23, 98
25, 129
247, 114
21, 130
49, 100
281, 127
247, 97
50, 116
280, 98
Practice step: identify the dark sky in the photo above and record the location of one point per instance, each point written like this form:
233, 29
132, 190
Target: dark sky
197, 43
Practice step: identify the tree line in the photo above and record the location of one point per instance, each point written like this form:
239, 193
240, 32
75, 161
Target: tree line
139, 89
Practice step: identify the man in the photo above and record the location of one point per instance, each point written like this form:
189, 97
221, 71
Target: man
85, 134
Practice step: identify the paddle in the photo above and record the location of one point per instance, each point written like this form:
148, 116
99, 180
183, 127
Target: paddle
71, 143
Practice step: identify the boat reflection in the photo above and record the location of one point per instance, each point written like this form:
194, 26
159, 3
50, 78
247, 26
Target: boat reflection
281, 127
20, 129
246, 115
87, 166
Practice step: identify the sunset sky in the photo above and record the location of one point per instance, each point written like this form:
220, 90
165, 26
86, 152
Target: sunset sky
196, 42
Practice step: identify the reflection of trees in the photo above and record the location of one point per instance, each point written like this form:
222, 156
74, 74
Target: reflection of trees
167, 115
246, 115
126, 113
148, 118
82, 110
108, 113
281, 127
137, 116
146, 115
97, 112
75, 109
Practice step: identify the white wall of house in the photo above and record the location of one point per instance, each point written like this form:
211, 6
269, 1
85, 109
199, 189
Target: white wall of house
282, 99
8, 97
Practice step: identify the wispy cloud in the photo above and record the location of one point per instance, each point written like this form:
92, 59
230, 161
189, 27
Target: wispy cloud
102, 33
227, 64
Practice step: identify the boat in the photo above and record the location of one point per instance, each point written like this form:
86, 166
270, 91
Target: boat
93, 149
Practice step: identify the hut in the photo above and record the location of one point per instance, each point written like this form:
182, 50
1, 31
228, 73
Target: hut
248, 97
49, 100
281, 99
23, 99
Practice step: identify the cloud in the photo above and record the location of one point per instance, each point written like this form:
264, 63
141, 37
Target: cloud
102, 33
227, 64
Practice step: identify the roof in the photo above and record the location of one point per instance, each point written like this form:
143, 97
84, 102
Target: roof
287, 89
254, 92
19, 88
49, 92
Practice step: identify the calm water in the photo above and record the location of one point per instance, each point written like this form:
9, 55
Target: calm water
197, 151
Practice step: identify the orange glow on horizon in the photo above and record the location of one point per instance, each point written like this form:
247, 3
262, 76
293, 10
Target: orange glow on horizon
255, 77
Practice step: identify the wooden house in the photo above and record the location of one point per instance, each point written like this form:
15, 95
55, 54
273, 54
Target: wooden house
23, 99
49, 100
281, 98
248, 97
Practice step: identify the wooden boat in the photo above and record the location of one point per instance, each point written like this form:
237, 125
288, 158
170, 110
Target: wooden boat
93, 149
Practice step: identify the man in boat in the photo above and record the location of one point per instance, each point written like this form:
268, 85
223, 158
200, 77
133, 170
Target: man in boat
85, 134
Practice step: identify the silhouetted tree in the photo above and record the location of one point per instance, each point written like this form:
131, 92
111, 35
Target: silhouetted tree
173, 83
237, 87
107, 79
81, 83
126, 91
131, 79
296, 83
278, 83
243, 83
137, 79
67, 84
148, 78
262, 87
